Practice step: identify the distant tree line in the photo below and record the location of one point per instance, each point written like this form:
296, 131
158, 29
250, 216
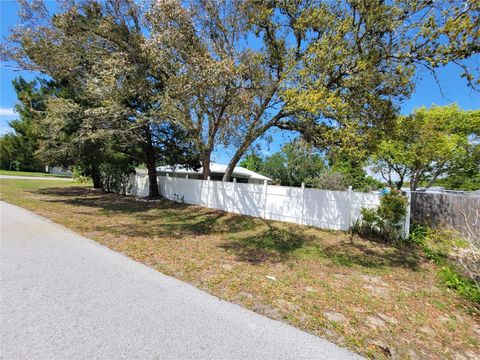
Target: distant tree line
297, 163
129, 82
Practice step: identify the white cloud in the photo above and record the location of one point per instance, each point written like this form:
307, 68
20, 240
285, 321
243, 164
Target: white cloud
7, 112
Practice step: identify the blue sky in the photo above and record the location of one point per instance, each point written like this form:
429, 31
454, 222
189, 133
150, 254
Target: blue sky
427, 91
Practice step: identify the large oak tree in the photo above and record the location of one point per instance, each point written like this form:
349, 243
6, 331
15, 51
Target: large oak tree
335, 71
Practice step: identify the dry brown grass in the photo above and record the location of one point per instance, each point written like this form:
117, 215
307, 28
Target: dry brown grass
378, 300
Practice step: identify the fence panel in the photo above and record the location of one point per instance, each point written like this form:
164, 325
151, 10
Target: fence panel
335, 210
284, 203
362, 200
453, 211
250, 199
221, 195
326, 209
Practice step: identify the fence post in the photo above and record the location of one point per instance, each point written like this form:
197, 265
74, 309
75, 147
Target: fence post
302, 220
265, 184
349, 207
234, 187
208, 191
406, 225
167, 186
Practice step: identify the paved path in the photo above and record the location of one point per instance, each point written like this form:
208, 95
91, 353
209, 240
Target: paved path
34, 177
66, 297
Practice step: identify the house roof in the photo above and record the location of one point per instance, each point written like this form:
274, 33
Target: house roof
215, 168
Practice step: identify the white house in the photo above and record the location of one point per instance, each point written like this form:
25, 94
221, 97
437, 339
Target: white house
58, 170
216, 173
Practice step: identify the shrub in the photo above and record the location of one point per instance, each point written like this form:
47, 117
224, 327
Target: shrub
384, 223
116, 173
464, 286
79, 176
445, 248
328, 180
418, 234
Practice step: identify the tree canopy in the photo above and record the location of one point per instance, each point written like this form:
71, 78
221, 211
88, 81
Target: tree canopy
19, 149
425, 145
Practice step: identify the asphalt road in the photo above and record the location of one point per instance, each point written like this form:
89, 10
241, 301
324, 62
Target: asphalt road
67, 297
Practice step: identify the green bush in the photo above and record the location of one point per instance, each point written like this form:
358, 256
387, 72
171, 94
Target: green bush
115, 173
384, 223
421, 236
418, 234
465, 287
78, 175
328, 180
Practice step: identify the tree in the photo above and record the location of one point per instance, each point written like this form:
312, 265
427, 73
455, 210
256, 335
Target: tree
322, 68
20, 148
105, 54
71, 139
425, 145
252, 162
17, 150
353, 172
295, 163
464, 174
359, 59
328, 180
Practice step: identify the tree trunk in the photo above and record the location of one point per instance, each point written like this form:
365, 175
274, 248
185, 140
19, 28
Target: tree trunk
235, 159
206, 166
153, 192
254, 132
96, 178
150, 161
414, 180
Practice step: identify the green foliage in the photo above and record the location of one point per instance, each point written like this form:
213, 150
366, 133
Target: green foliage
19, 149
464, 286
116, 174
355, 176
438, 245
420, 236
295, 163
384, 223
123, 69
298, 162
78, 175
328, 180
252, 162
427, 144
464, 174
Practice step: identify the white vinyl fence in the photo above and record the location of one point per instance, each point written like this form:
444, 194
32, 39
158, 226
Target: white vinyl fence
336, 210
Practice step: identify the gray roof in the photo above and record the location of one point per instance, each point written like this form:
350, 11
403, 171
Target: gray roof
215, 168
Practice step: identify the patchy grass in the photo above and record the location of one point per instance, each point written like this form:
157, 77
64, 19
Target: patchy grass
34, 174
378, 300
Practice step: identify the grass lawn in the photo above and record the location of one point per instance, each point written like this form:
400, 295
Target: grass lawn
377, 300
28, 173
